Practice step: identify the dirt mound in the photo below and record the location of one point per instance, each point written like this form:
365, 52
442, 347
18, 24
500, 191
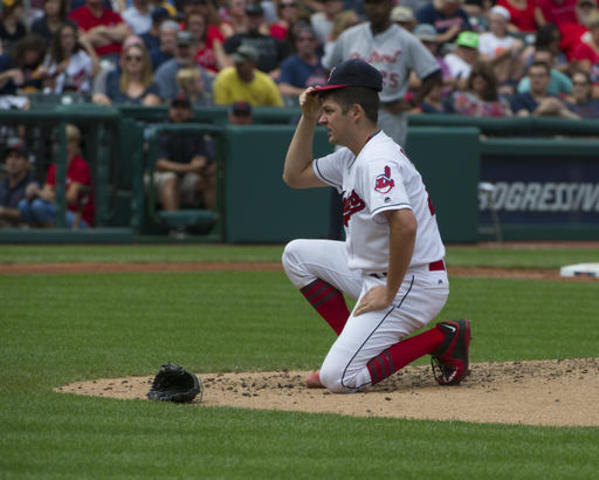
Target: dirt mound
548, 392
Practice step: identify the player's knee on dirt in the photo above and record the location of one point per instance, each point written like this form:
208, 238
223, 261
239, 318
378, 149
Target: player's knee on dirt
339, 379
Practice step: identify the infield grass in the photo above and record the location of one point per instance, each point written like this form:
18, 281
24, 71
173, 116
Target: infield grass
61, 328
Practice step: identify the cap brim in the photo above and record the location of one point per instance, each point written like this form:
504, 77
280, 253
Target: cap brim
328, 87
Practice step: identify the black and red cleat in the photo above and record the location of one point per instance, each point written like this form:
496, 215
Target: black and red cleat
450, 361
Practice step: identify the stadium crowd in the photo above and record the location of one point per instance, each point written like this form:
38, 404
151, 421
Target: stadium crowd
514, 57
467, 57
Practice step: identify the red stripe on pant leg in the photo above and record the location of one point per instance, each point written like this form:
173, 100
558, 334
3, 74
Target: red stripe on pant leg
328, 302
402, 353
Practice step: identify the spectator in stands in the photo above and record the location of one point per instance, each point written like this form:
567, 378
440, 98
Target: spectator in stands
18, 68
236, 20
55, 14
166, 75
240, 113
12, 26
582, 103
38, 208
343, 21
104, 29
585, 56
537, 101
245, 82
559, 83
481, 98
191, 85
573, 33
322, 21
556, 12
448, 18
152, 37
289, 13
404, 17
166, 4
12, 188
184, 174
168, 44
463, 56
138, 16
433, 102
210, 53
135, 83
272, 51
522, 15
501, 50
71, 62
303, 69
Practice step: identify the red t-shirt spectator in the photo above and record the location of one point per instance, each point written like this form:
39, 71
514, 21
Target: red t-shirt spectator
524, 20
86, 20
572, 34
558, 13
205, 56
77, 171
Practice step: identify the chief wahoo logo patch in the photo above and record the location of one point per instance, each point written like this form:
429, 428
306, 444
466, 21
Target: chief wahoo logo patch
384, 183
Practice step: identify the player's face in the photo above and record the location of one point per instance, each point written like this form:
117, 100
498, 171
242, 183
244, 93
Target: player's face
334, 120
378, 13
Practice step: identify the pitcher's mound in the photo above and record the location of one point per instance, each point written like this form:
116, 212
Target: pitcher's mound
548, 392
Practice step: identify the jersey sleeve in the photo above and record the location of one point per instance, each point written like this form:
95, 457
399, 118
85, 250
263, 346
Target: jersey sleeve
329, 169
422, 60
383, 187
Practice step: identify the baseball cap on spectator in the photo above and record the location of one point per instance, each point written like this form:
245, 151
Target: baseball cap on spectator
425, 32
402, 14
245, 53
467, 39
241, 108
254, 9
159, 14
15, 144
502, 11
590, 3
353, 73
185, 38
181, 100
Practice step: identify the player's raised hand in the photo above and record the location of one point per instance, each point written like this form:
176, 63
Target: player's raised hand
309, 103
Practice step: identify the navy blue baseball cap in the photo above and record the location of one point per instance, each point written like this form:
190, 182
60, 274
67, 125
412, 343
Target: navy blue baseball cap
353, 73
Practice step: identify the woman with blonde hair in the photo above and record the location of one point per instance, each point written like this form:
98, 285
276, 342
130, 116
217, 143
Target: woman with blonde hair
135, 83
191, 83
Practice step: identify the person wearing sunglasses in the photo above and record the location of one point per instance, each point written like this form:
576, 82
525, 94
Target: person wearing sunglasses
135, 84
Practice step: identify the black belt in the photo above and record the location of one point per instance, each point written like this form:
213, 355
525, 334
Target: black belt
432, 267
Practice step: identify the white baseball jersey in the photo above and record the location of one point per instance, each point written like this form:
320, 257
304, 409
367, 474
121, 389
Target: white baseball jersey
395, 52
380, 178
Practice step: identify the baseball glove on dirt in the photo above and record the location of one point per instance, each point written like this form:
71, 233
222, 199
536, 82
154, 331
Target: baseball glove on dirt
173, 383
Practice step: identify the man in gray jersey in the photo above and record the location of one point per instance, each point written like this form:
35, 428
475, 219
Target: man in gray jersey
395, 52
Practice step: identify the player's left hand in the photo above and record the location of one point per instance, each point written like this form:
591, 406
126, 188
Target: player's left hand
376, 298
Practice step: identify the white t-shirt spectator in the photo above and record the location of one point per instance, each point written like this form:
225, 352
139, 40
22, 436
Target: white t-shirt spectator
489, 44
77, 76
139, 22
457, 66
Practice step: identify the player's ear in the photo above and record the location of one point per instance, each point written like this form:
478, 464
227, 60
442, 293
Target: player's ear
356, 111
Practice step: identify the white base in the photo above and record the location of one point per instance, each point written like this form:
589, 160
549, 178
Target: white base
580, 270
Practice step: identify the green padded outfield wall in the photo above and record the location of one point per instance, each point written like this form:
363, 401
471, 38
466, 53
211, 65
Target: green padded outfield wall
448, 160
258, 206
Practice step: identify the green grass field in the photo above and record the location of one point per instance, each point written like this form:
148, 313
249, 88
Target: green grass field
61, 328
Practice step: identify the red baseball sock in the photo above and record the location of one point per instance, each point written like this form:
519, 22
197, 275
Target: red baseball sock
328, 302
402, 353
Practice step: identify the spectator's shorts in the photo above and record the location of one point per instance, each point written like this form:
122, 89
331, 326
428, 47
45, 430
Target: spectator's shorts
188, 186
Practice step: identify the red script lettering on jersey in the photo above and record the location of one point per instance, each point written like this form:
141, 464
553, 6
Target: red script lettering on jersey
384, 183
351, 204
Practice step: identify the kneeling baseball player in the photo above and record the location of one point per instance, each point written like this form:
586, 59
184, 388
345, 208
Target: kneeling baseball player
392, 259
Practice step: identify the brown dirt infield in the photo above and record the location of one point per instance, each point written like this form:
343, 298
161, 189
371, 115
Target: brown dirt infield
549, 392
100, 267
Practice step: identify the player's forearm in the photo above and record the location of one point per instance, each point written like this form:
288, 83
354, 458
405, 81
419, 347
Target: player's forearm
402, 237
299, 154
